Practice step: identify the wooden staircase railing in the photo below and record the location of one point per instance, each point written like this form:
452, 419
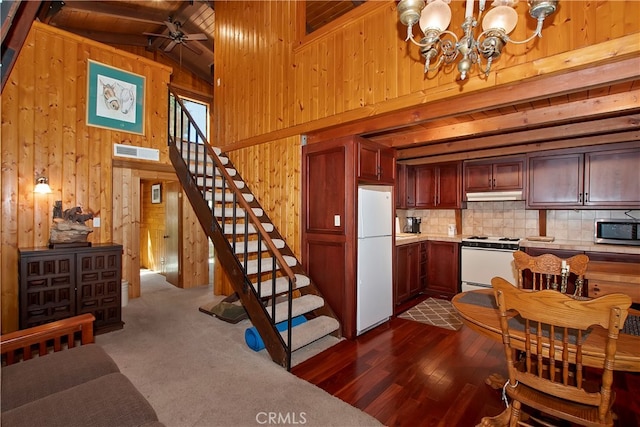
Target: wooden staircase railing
193, 157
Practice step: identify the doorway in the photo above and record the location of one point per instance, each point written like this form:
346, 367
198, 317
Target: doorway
160, 218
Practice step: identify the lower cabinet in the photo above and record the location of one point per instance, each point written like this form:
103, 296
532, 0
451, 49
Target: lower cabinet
64, 282
410, 271
443, 269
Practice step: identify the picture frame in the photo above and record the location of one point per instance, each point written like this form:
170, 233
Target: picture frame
115, 98
156, 193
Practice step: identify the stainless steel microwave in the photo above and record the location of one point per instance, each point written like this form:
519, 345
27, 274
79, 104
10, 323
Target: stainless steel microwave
617, 231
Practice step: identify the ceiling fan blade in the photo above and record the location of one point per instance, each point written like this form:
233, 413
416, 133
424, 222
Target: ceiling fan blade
172, 26
157, 35
192, 48
199, 36
170, 46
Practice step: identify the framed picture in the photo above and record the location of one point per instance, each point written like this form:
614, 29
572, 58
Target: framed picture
156, 193
115, 98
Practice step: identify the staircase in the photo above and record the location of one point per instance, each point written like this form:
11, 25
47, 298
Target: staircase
269, 280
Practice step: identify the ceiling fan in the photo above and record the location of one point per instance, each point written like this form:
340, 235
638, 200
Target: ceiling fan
179, 37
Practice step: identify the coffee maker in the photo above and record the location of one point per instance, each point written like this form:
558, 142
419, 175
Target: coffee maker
413, 224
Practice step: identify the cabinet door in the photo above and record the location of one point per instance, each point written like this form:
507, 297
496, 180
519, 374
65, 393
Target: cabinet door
368, 162
425, 186
478, 177
410, 187
401, 186
508, 175
556, 180
99, 287
612, 178
387, 165
403, 273
449, 188
47, 288
443, 260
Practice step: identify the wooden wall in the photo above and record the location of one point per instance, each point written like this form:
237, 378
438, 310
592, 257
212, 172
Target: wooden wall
44, 131
275, 86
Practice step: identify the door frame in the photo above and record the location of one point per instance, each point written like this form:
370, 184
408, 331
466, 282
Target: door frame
138, 175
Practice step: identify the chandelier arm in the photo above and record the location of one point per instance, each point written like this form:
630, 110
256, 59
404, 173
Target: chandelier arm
436, 66
537, 33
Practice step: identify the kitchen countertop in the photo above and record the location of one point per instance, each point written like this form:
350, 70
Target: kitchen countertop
407, 238
581, 246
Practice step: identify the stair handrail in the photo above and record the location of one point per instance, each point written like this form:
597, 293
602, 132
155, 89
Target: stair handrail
249, 214
243, 203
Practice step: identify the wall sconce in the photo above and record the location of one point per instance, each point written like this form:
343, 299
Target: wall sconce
42, 186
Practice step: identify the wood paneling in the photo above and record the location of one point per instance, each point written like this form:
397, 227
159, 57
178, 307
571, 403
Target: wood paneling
272, 83
44, 131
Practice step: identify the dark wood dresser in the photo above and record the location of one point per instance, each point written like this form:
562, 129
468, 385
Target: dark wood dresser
64, 282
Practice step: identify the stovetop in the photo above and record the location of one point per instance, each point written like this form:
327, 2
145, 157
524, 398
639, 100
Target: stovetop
492, 239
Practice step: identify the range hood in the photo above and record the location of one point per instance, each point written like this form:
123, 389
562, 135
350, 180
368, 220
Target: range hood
494, 196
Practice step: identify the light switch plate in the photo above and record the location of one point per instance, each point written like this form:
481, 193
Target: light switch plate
336, 220
96, 221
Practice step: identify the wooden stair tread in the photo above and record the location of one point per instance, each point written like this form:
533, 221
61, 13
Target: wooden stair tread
311, 331
282, 285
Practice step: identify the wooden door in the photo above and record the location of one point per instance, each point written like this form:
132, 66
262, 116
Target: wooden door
172, 236
478, 177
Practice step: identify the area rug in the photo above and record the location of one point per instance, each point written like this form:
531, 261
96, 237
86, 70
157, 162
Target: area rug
436, 312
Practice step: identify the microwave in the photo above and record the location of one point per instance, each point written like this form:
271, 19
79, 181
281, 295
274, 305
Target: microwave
617, 231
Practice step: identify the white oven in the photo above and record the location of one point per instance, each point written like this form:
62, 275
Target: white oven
483, 258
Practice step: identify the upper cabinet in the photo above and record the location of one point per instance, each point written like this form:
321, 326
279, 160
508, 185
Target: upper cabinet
434, 186
376, 163
599, 176
438, 185
499, 174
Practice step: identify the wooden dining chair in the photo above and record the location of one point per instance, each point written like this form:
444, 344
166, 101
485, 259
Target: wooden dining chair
546, 271
551, 328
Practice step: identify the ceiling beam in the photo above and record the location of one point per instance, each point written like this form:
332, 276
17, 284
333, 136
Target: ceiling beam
596, 128
509, 94
533, 147
115, 10
619, 103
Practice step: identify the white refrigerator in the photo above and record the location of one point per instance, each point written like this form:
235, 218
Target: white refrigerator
375, 251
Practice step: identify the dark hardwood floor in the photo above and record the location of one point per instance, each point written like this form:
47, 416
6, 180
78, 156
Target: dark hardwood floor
405, 373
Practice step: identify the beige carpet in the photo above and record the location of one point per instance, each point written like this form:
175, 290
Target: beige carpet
196, 370
436, 312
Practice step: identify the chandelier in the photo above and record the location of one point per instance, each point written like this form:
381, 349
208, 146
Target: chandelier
440, 46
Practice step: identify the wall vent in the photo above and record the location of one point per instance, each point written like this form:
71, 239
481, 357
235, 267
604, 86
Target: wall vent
132, 152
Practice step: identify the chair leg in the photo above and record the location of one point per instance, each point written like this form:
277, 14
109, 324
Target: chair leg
515, 413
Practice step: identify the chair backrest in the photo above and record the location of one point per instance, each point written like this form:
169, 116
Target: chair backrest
546, 271
552, 328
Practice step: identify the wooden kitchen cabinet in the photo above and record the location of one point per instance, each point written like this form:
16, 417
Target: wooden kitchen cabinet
411, 273
407, 272
376, 163
603, 176
500, 174
405, 187
331, 172
64, 282
443, 269
438, 185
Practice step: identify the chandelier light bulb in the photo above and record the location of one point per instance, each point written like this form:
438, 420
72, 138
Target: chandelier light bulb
500, 18
435, 16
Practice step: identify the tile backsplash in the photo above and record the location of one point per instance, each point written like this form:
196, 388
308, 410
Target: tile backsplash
511, 219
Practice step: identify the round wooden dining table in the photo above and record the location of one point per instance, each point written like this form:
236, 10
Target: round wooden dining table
479, 311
